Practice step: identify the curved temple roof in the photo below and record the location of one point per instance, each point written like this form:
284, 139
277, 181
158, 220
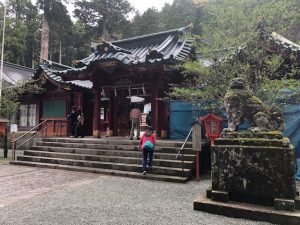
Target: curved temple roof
147, 49
53, 74
166, 47
282, 41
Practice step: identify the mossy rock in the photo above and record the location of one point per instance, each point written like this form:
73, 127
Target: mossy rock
248, 134
253, 142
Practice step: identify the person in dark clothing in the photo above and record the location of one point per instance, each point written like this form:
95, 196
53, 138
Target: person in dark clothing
72, 118
149, 118
79, 124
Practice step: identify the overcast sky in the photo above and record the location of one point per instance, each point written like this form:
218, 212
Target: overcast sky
140, 5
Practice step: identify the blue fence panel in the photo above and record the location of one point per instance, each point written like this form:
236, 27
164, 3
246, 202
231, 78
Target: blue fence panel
182, 115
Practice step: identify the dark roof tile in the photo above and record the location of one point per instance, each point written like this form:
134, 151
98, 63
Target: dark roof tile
144, 50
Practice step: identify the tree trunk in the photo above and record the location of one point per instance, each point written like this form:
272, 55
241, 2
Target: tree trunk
104, 28
23, 59
50, 54
198, 15
60, 52
18, 11
45, 40
32, 56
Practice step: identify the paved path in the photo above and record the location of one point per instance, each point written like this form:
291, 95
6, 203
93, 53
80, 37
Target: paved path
33, 196
19, 182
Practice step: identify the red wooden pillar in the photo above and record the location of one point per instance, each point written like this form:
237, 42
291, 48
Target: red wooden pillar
115, 116
96, 115
112, 110
160, 117
79, 100
164, 119
154, 107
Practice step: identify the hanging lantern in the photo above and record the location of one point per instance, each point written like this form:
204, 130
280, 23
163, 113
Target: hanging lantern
103, 93
129, 90
144, 91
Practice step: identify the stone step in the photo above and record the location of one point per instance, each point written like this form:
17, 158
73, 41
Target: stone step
149, 176
112, 147
114, 159
109, 141
107, 165
119, 153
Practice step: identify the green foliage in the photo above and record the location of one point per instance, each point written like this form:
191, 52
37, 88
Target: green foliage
202, 83
231, 23
103, 18
29, 89
148, 22
12, 96
15, 41
230, 42
9, 101
284, 91
21, 24
181, 13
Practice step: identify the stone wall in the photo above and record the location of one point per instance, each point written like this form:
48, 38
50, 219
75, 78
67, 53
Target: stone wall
254, 167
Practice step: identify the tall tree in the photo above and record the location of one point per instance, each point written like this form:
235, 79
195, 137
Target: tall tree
231, 22
104, 18
230, 40
15, 41
20, 18
56, 19
148, 22
46, 6
61, 30
181, 13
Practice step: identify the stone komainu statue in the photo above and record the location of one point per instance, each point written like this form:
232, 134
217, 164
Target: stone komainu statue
240, 103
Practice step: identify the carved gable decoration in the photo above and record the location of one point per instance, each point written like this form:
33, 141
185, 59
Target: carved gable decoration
106, 47
123, 82
154, 54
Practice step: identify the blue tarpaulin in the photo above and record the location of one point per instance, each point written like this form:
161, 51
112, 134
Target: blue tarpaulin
292, 131
298, 171
292, 126
183, 114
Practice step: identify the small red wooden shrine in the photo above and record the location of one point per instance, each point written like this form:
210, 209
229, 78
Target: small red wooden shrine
213, 126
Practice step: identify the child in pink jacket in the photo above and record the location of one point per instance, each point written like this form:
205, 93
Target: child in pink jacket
147, 144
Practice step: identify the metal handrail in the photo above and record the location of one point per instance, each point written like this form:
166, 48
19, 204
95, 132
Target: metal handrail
23, 135
18, 146
181, 151
14, 147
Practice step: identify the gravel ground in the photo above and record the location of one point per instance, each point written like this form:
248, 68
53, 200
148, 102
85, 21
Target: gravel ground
114, 200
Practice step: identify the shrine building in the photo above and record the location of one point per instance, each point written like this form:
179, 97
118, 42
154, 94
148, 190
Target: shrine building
106, 84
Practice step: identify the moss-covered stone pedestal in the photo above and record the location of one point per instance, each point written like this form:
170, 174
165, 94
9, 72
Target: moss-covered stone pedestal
253, 168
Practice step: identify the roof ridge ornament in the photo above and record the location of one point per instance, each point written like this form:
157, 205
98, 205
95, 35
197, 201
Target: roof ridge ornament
107, 47
154, 54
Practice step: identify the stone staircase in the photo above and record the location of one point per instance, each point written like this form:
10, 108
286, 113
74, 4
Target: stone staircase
111, 157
